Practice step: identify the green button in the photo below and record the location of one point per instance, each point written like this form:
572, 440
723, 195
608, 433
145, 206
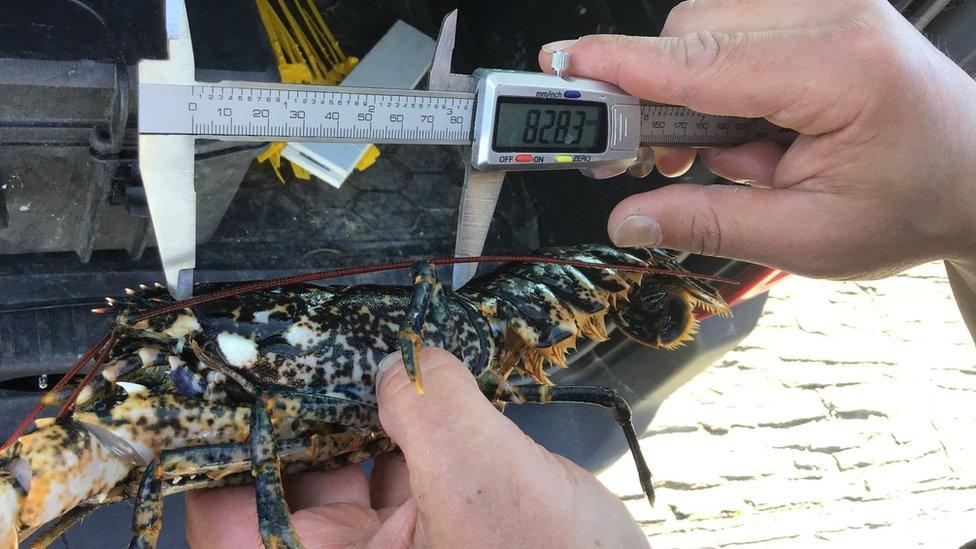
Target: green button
564, 158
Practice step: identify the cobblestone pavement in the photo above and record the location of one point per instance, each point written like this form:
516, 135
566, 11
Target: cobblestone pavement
846, 419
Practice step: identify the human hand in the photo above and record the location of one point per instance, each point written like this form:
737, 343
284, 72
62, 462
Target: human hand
468, 477
883, 175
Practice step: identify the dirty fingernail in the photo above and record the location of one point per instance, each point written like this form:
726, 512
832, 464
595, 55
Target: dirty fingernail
558, 45
637, 230
388, 362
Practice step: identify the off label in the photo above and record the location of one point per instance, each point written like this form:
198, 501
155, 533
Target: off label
521, 159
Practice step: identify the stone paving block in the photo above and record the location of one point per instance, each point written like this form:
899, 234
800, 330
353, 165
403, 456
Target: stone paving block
745, 358
813, 375
880, 398
721, 501
948, 406
957, 379
826, 436
684, 459
924, 355
880, 450
777, 493
643, 513
880, 536
781, 408
754, 462
811, 464
959, 446
682, 539
867, 347
894, 479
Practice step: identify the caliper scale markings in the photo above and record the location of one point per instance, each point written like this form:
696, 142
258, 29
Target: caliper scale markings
681, 126
311, 113
338, 114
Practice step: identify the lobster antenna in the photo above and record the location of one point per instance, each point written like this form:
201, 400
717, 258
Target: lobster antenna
71, 373
366, 269
106, 349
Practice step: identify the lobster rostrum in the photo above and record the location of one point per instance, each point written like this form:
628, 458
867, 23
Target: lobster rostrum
246, 384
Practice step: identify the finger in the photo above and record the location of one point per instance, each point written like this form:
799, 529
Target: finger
643, 165
318, 488
336, 525
810, 80
397, 530
452, 420
461, 452
755, 15
673, 162
753, 163
389, 485
222, 518
783, 228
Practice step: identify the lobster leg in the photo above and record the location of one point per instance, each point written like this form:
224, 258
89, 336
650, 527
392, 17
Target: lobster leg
148, 516
308, 404
64, 523
589, 394
274, 521
428, 298
221, 460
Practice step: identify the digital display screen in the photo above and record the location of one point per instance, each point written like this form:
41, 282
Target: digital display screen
541, 125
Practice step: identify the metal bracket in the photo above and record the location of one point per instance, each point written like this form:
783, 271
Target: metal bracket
166, 162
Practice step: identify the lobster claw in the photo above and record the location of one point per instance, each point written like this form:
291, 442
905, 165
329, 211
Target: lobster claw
410, 345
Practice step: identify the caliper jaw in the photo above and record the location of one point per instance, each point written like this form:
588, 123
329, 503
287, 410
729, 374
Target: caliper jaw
480, 190
166, 162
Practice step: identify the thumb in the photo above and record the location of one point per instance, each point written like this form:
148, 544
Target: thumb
460, 451
729, 72
450, 427
783, 228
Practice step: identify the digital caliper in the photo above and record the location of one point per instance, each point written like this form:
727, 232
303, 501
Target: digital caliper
512, 121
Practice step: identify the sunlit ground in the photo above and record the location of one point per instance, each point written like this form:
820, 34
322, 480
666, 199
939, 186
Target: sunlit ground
848, 418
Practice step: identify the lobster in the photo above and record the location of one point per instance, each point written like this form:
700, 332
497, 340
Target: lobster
247, 383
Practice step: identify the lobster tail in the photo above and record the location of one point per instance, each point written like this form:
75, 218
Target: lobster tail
657, 314
539, 311
660, 310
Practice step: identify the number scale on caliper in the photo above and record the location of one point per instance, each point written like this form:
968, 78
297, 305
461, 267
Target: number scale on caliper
680, 126
306, 113
373, 115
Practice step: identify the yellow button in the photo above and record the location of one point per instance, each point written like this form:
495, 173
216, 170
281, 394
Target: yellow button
564, 158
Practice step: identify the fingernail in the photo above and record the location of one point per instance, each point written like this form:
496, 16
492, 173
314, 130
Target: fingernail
643, 165
388, 362
559, 45
637, 230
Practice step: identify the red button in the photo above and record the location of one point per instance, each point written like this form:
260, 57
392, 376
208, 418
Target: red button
523, 158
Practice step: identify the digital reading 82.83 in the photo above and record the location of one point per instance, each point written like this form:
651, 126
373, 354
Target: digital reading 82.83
540, 125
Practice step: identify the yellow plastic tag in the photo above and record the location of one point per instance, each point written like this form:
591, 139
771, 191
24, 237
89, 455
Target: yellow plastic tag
306, 53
